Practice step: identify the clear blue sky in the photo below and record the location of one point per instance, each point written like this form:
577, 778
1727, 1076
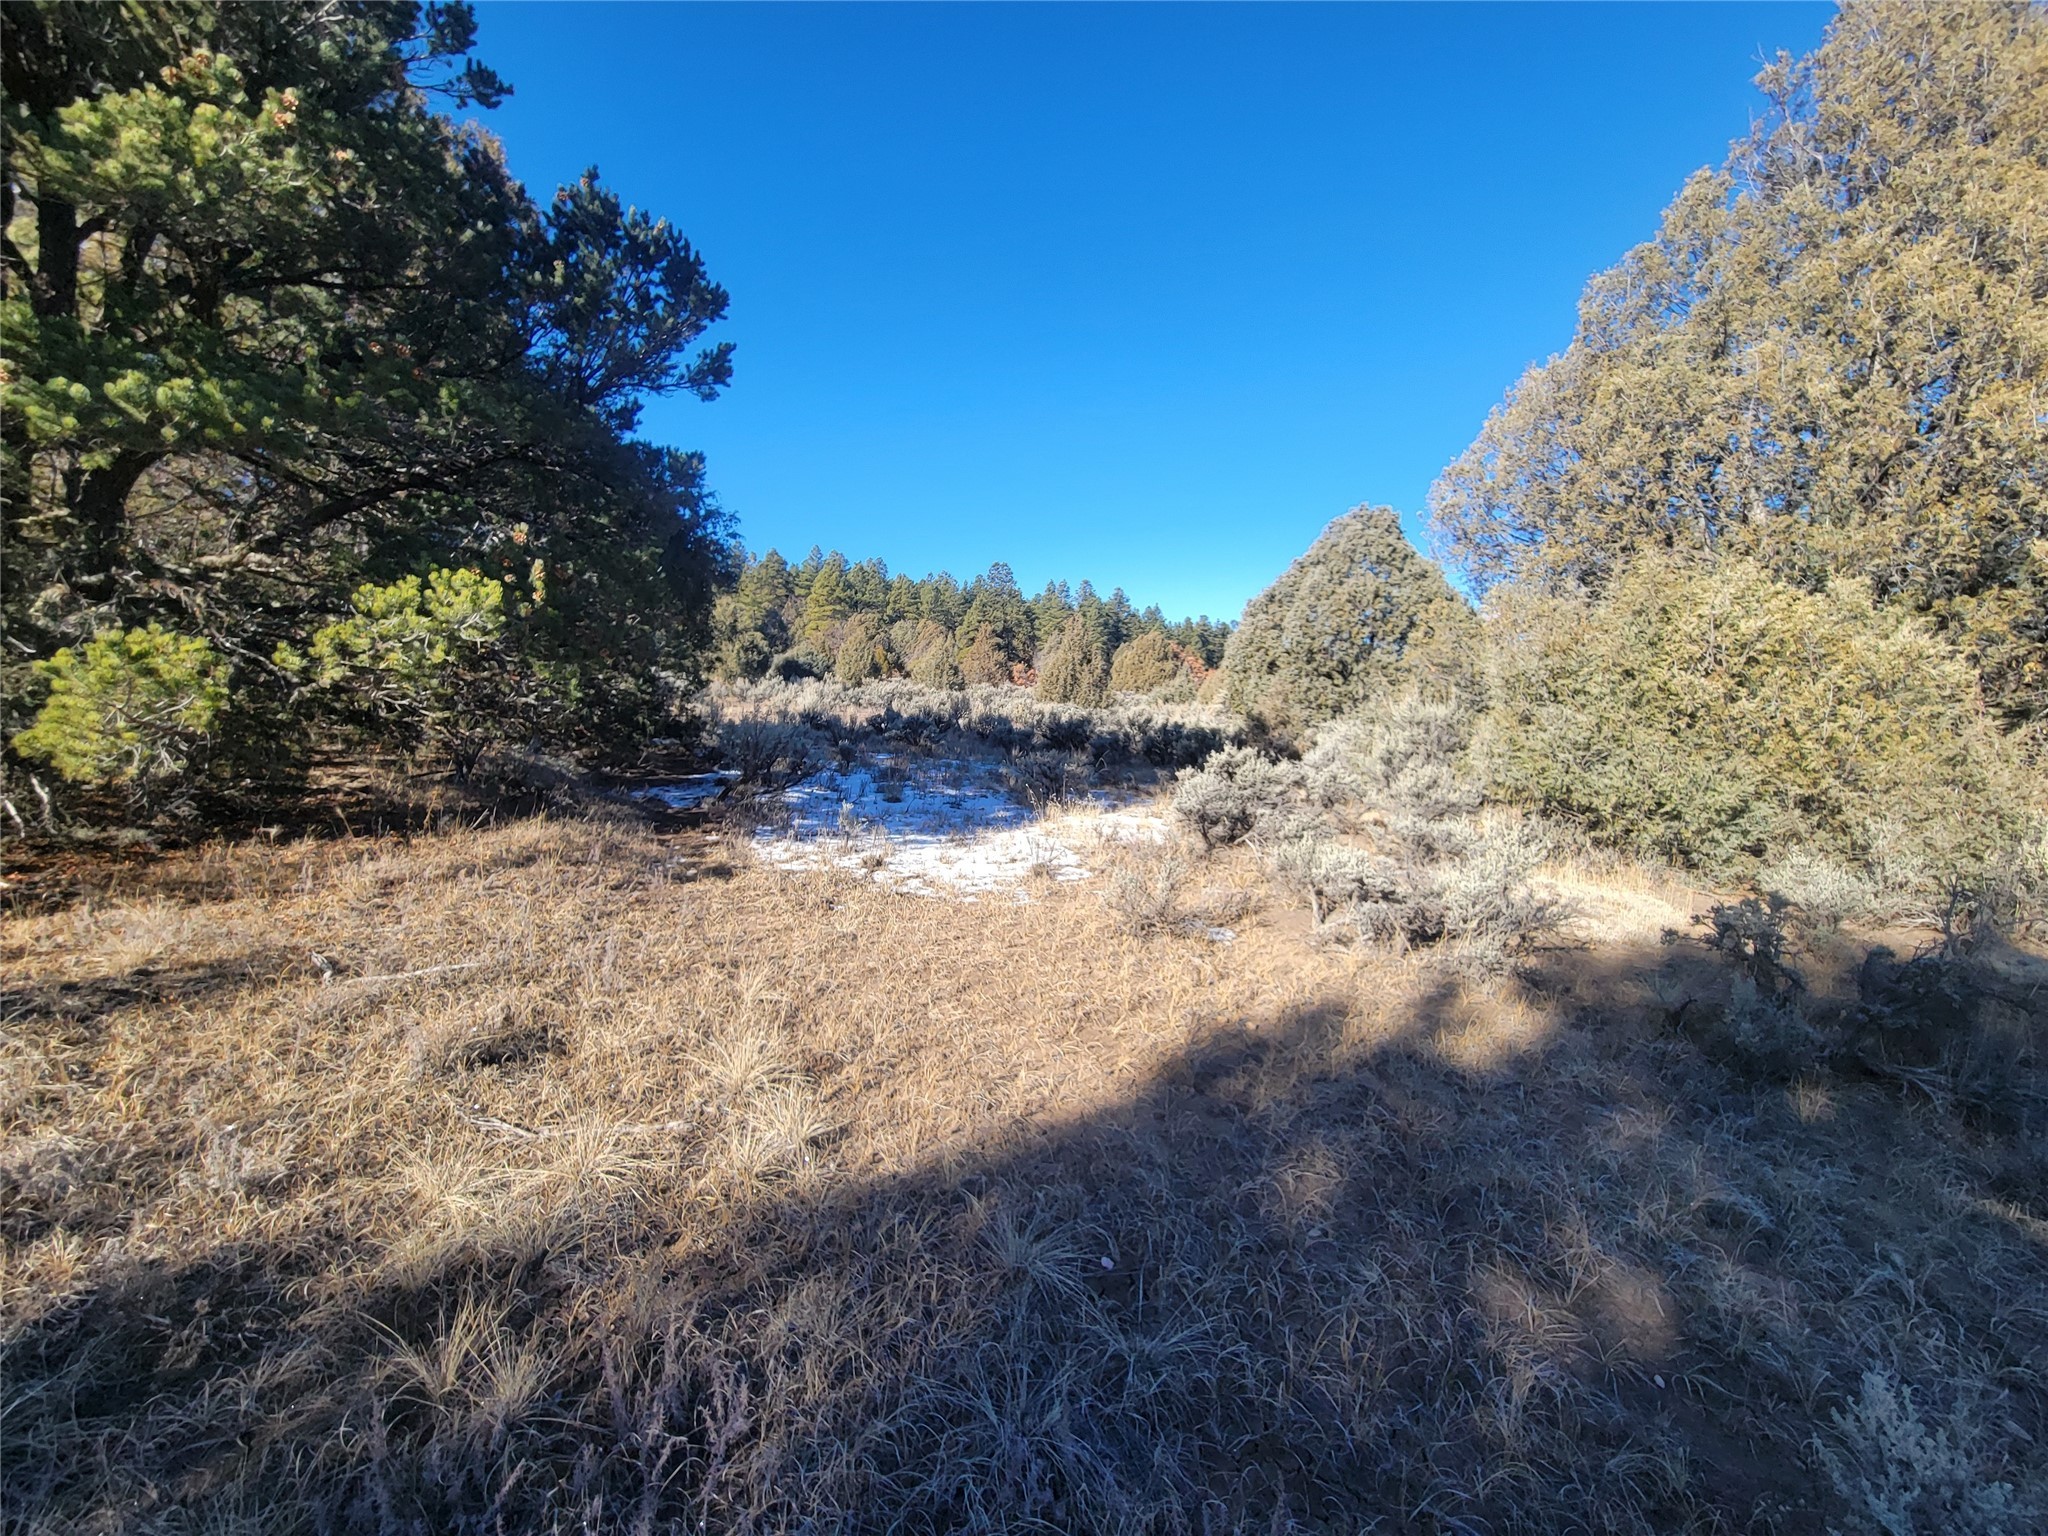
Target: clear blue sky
1144, 294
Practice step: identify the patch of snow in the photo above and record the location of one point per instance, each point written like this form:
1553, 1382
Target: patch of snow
944, 827
699, 789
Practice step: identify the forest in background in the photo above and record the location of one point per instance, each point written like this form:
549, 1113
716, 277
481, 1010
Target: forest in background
824, 616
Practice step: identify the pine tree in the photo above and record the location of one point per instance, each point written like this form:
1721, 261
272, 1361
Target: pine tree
277, 327
1049, 611
826, 604
995, 604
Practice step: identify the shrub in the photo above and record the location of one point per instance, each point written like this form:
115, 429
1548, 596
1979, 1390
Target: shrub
1823, 889
1713, 715
1753, 932
1360, 614
1148, 893
1335, 876
1145, 894
1901, 1476
129, 709
1405, 754
800, 663
769, 754
1240, 794
1765, 1035
1487, 898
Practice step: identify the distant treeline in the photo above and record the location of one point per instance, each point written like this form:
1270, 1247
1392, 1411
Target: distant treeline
826, 615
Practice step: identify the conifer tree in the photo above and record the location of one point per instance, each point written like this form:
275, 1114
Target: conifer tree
1359, 615
983, 662
276, 327
1049, 611
1830, 358
1074, 669
1145, 663
826, 603
996, 604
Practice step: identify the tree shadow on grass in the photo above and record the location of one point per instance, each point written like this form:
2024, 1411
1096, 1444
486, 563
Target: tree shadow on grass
1532, 1263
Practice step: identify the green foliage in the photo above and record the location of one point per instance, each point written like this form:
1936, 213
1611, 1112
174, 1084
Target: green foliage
1359, 615
1829, 360
431, 661
772, 609
996, 605
1146, 663
826, 604
864, 653
1074, 669
1715, 714
128, 709
279, 328
929, 655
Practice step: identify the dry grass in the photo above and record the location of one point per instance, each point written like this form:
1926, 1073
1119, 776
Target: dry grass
565, 1177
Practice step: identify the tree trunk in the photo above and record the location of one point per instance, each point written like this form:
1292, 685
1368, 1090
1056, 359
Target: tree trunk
56, 287
102, 506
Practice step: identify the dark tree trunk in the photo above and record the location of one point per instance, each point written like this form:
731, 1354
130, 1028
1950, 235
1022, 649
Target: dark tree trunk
56, 289
102, 507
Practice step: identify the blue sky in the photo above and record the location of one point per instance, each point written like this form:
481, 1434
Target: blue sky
1143, 293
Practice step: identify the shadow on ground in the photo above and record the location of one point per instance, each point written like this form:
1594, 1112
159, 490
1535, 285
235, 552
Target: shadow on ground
1596, 1272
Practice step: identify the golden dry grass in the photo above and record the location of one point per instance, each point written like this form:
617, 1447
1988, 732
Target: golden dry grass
563, 1176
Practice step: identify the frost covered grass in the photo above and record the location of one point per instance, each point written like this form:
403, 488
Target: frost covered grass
570, 1176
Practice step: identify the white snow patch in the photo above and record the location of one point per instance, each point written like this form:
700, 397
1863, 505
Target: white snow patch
688, 794
945, 827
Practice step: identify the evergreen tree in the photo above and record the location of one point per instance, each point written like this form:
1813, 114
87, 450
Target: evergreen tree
1830, 359
864, 652
1049, 611
1713, 714
1146, 663
1359, 615
941, 600
983, 662
277, 328
903, 601
1074, 669
826, 603
995, 604
867, 587
928, 654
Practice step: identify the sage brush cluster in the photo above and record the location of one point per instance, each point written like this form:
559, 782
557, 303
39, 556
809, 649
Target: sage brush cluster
898, 714
1381, 829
